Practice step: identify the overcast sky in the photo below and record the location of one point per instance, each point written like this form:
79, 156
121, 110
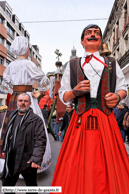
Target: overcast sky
50, 36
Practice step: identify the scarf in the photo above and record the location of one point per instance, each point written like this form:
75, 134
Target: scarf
9, 141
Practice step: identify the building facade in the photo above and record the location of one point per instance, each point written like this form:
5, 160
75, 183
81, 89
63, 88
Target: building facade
10, 27
116, 35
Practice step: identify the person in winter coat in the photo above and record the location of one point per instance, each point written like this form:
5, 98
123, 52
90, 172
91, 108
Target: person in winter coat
66, 120
23, 145
45, 113
124, 110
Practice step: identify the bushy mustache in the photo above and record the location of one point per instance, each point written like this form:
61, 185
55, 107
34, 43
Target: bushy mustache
92, 38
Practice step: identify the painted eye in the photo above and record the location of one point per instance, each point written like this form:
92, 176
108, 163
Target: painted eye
87, 33
97, 33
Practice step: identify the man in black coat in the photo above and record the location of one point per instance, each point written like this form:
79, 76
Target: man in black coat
23, 145
124, 110
45, 113
66, 119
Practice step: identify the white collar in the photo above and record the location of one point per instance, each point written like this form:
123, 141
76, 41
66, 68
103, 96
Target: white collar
96, 54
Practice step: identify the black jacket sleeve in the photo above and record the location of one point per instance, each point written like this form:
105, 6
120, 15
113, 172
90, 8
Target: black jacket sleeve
64, 122
39, 142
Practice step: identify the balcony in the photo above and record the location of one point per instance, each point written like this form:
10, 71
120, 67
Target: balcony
126, 29
124, 60
116, 45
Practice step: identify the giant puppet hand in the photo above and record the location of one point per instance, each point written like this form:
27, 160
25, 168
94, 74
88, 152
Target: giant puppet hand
112, 99
79, 90
82, 88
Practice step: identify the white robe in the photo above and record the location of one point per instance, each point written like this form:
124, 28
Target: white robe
25, 72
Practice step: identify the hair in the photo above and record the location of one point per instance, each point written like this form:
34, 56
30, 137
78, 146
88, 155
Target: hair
70, 105
45, 105
24, 94
90, 26
124, 105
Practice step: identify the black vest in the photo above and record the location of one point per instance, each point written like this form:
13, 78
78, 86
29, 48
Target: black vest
107, 84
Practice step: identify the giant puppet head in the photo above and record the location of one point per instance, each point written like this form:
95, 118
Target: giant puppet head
91, 38
20, 46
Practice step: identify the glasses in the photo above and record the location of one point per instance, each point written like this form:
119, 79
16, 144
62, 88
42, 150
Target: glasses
23, 101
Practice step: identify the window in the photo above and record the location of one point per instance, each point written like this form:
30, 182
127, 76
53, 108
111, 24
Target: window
10, 30
7, 63
0, 102
1, 78
125, 15
117, 53
1, 20
17, 23
39, 61
8, 46
39, 65
22, 30
1, 61
8, 13
27, 37
126, 43
30, 53
1, 40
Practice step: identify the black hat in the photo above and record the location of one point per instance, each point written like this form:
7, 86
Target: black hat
90, 26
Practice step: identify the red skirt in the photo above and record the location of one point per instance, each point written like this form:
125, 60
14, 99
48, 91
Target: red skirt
93, 161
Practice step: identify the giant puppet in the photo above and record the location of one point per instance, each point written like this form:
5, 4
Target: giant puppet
93, 158
19, 77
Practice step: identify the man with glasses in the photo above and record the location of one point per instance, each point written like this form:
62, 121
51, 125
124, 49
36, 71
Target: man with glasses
23, 145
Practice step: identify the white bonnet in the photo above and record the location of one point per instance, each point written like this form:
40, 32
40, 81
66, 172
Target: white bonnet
19, 46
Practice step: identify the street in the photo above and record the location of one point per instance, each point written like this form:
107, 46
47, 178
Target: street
45, 178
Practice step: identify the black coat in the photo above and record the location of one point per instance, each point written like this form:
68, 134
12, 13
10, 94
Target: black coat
121, 117
31, 145
66, 120
44, 113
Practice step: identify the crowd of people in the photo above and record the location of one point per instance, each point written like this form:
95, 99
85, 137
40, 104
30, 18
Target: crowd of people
59, 129
93, 150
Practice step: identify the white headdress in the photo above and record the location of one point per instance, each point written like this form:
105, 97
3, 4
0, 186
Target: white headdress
19, 46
